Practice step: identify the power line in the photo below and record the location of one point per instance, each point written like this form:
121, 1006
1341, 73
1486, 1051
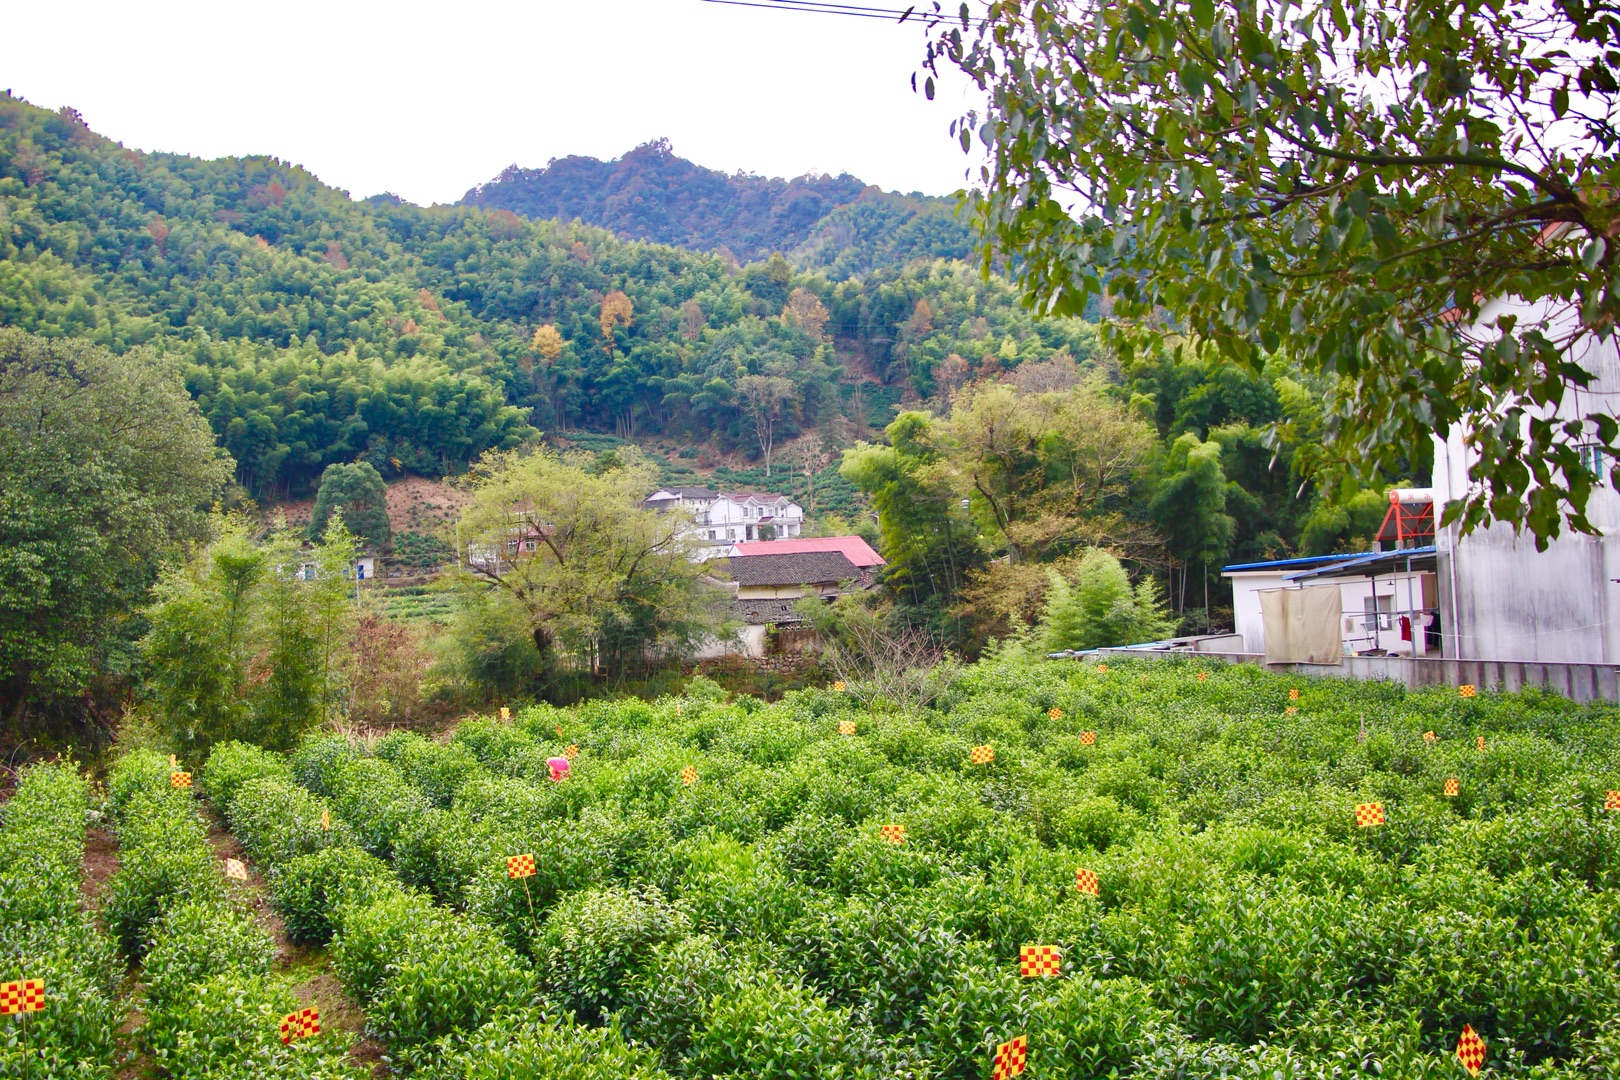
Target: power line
825, 7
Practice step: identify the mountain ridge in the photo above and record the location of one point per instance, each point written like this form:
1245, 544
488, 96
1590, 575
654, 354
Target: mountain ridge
838, 224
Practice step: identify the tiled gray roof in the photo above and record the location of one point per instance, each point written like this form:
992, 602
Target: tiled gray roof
765, 612
799, 568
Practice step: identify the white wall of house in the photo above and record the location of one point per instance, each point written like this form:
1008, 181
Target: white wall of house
1500, 598
1363, 627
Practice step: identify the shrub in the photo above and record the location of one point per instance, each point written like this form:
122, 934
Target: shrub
277, 821
312, 892
317, 759
229, 1026
766, 1027
164, 861
373, 934
233, 764
197, 940
596, 939
42, 844
451, 978
371, 796
527, 1044
76, 1035
667, 998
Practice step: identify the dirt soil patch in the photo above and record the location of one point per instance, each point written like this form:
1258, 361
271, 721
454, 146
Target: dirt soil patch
100, 862
415, 504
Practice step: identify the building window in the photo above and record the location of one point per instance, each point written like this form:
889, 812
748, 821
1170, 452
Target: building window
1596, 459
1376, 612
529, 544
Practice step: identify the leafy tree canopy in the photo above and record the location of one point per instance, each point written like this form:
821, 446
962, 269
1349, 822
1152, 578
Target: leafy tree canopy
1349, 184
106, 469
358, 493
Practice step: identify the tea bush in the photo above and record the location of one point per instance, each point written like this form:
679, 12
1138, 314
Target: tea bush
750, 918
46, 935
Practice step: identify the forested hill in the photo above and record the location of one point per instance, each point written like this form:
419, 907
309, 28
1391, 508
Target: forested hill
835, 223
314, 328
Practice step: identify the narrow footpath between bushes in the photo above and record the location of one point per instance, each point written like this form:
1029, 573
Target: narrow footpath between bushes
308, 964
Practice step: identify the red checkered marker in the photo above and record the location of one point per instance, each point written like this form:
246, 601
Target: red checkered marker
1088, 738
180, 779
689, 776
1086, 882
1611, 800
1471, 1050
1369, 814
1040, 961
894, 834
1452, 787
846, 727
1466, 690
23, 996
1011, 1057
301, 1024
1430, 737
981, 755
520, 866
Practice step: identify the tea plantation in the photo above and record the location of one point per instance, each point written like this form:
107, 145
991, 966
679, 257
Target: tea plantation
751, 919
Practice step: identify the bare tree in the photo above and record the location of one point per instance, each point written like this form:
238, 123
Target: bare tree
907, 670
763, 397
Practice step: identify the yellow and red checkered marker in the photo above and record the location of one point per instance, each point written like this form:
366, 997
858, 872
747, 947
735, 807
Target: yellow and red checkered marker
301, 1024
326, 820
1088, 738
1369, 813
235, 870
1430, 737
174, 762
506, 714
1011, 1057
1054, 713
1202, 675
1479, 740
1611, 800
1293, 694
24, 996
1040, 961
1452, 787
180, 779
1291, 710
1086, 881
1102, 669
846, 727
1471, 1050
1467, 690
840, 686
894, 834
981, 755
571, 751
689, 776
558, 728
519, 866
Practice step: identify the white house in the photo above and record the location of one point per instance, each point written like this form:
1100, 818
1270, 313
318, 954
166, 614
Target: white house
722, 519
1386, 601
1489, 596
1500, 598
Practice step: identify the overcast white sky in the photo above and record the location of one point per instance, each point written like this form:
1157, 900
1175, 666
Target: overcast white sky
427, 101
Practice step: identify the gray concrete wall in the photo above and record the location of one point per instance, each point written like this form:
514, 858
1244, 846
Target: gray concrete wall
1579, 682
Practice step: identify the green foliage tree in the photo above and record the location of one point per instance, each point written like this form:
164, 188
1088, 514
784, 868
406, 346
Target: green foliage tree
1238, 173
600, 583
357, 492
1099, 607
452, 331
246, 639
1190, 506
106, 469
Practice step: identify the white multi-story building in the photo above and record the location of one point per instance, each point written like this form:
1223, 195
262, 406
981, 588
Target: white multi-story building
721, 519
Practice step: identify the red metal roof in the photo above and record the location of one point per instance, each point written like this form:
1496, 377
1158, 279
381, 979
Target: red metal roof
853, 548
